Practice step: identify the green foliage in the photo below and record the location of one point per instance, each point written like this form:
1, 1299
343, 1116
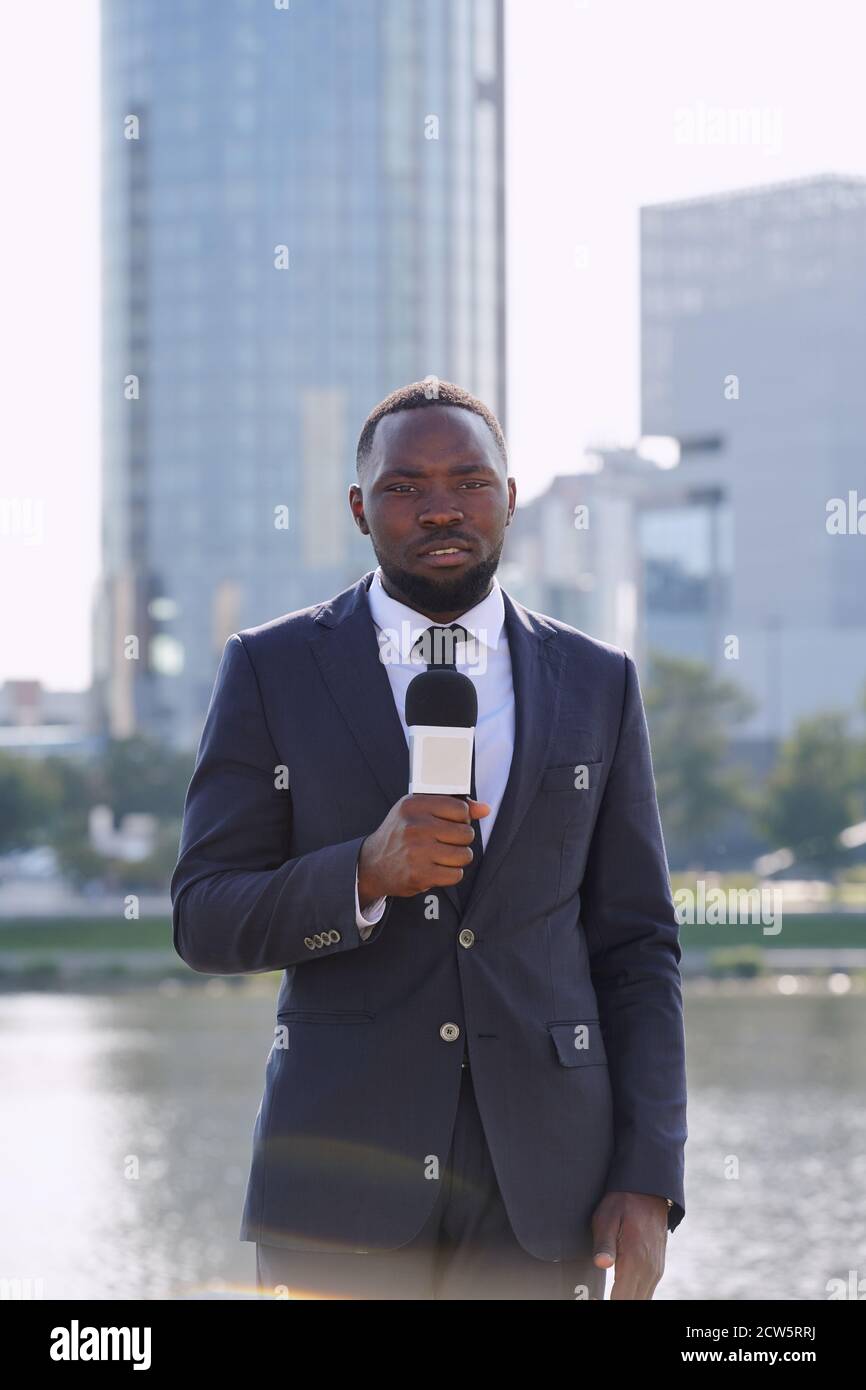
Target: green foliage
48, 802
138, 774
30, 795
690, 714
152, 874
78, 861
815, 790
743, 962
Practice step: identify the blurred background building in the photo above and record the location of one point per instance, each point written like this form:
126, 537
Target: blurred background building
572, 552
753, 336
753, 339
35, 721
302, 210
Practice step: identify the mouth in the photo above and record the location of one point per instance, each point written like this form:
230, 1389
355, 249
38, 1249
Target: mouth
445, 556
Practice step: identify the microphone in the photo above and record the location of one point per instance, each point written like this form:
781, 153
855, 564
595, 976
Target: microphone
441, 714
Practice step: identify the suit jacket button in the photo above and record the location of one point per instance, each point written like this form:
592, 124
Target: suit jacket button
317, 939
466, 938
309, 943
450, 1032
334, 936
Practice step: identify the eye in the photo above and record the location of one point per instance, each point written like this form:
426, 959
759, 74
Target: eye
474, 483
399, 487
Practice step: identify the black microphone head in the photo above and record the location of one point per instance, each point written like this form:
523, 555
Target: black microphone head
444, 697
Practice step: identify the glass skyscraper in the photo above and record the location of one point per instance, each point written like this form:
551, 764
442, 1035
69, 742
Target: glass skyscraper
303, 209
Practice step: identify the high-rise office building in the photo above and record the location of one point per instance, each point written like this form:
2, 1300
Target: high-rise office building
572, 551
753, 339
303, 209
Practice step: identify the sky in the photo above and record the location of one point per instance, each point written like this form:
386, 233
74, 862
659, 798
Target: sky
607, 109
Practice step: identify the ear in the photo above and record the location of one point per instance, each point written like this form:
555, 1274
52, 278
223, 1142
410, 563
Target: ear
356, 506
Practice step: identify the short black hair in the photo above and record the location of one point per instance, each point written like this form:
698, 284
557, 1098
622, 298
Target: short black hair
430, 391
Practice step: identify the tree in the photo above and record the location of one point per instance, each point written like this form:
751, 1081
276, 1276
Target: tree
690, 713
29, 796
815, 790
139, 774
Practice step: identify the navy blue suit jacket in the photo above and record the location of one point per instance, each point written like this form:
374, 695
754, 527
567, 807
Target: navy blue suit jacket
568, 1000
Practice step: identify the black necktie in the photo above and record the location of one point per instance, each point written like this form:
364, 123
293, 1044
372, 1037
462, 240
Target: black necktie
438, 647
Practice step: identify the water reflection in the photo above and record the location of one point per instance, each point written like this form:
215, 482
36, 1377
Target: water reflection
127, 1121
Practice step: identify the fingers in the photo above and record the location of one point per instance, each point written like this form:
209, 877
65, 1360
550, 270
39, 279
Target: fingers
456, 856
439, 827
452, 817
458, 808
450, 808
462, 835
446, 878
628, 1283
453, 808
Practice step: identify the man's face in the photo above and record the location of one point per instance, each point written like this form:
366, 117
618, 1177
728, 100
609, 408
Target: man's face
435, 481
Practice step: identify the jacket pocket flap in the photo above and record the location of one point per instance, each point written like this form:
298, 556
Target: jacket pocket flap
579, 1042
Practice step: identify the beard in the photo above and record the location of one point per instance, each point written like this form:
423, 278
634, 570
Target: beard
445, 595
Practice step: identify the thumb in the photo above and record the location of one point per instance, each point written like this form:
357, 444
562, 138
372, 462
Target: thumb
604, 1243
478, 809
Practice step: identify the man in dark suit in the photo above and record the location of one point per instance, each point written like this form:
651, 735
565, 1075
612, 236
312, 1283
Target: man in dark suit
477, 1082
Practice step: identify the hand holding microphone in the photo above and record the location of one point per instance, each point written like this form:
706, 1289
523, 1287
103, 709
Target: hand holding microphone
426, 840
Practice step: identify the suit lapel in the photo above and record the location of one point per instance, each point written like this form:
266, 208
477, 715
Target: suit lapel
536, 667
348, 657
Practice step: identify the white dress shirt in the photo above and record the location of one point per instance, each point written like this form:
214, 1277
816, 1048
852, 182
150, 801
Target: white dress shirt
487, 663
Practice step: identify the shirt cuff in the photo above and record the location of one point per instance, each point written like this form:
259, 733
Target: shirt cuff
366, 921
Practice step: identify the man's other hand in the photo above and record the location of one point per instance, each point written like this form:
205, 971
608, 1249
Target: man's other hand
629, 1229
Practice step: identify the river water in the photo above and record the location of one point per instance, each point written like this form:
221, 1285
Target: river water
127, 1119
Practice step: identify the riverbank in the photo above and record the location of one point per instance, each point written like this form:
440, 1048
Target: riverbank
57, 952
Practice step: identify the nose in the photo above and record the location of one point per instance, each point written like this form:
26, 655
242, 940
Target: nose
439, 512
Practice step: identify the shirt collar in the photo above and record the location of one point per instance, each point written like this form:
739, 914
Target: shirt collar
485, 621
